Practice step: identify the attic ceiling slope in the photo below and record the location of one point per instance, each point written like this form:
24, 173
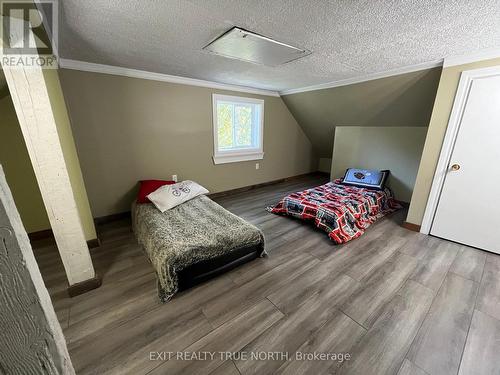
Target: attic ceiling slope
403, 100
348, 40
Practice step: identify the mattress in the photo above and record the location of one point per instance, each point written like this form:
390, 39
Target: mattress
344, 212
193, 242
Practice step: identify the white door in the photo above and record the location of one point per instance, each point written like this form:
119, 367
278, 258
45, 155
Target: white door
468, 208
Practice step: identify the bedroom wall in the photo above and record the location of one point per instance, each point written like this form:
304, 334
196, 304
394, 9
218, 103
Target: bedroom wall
447, 89
128, 129
401, 100
18, 170
325, 165
395, 148
4, 89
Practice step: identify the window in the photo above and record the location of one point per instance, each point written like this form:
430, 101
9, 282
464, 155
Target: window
238, 128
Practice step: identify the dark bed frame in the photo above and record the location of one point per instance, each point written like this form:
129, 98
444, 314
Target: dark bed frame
210, 268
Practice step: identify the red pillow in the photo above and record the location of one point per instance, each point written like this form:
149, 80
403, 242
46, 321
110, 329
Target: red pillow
148, 186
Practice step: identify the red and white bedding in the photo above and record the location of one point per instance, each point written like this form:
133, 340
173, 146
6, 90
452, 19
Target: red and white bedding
344, 212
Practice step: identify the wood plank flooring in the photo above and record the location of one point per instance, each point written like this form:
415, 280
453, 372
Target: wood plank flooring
390, 302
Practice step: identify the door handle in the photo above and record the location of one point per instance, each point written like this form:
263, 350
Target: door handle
455, 167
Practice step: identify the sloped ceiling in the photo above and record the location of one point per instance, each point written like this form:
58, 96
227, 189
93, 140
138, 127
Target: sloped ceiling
348, 39
403, 100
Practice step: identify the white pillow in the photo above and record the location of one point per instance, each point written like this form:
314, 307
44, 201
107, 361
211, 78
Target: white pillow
169, 196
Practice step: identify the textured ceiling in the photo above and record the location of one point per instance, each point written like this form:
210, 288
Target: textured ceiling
348, 39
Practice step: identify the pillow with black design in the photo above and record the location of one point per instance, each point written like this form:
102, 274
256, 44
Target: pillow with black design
365, 178
170, 196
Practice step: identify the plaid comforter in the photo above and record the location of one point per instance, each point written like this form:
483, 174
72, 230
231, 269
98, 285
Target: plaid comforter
344, 212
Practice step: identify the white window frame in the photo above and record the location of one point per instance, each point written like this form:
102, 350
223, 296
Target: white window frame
232, 156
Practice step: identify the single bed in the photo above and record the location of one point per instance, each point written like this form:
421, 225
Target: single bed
344, 212
193, 242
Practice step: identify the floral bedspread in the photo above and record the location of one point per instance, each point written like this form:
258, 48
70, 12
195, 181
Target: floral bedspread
194, 231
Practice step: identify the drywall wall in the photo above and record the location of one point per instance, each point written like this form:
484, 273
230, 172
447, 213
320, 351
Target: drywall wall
4, 89
395, 148
18, 170
402, 100
325, 165
448, 85
128, 129
65, 134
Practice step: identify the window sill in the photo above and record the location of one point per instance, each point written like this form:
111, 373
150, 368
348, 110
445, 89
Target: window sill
234, 158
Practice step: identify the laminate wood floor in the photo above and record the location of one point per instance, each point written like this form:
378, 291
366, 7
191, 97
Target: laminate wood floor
390, 302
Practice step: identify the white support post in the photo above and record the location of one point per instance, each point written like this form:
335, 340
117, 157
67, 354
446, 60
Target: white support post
38, 125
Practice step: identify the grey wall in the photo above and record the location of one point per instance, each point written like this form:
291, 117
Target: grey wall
128, 129
402, 100
395, 148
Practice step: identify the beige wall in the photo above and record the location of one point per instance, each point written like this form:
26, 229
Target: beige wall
128, 129
395, 148
325, 165
18, 170
402, 100
448, 85
4, 90
64, 131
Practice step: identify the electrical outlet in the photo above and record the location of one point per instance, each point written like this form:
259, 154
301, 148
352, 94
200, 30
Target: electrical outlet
174, 177
257, 165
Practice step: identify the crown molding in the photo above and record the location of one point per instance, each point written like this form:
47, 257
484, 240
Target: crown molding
470, 58
142, 74
368, 77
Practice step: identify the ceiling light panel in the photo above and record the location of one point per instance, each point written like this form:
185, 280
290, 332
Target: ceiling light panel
247, 46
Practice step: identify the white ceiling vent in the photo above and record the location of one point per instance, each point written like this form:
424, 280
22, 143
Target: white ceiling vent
247, 46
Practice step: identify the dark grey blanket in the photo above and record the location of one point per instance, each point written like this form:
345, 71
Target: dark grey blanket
194, 231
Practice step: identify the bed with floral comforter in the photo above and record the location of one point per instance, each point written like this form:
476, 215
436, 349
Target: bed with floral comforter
196, 232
